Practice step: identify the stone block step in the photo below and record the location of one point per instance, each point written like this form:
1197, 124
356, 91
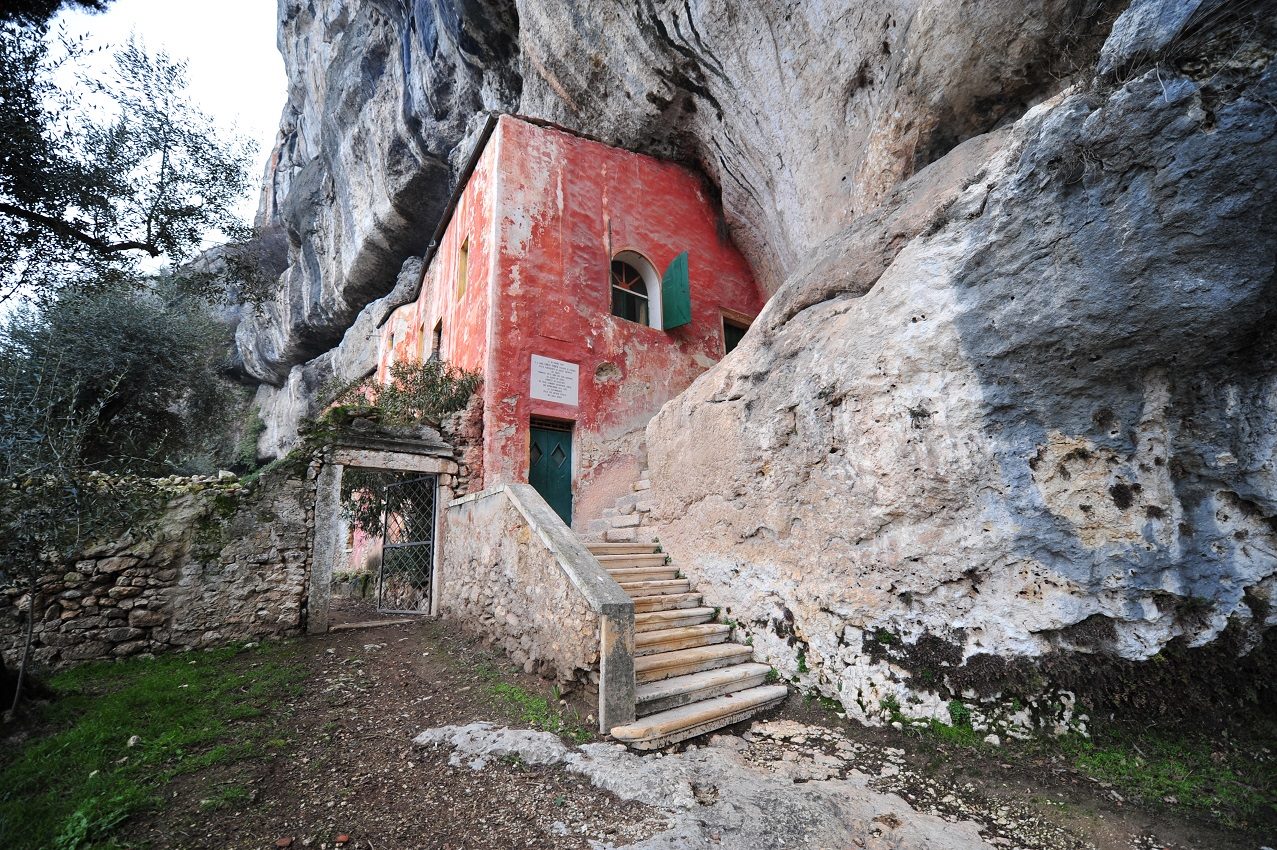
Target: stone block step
694, 687
679, 724
644, 574
632, 560
677, 618
680, 662
619, 535
657, 588
685, 637
598, 548
644, 604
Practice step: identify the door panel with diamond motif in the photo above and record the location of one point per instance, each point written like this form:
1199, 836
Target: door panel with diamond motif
550, 468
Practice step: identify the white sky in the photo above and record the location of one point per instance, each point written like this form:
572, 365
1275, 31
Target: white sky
236, 73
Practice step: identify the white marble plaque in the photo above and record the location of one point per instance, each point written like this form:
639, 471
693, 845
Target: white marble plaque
555, 380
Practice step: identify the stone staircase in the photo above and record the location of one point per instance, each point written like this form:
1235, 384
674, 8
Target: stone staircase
690, 678
627, 521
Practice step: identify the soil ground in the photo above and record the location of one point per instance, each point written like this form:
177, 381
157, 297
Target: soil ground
342, 765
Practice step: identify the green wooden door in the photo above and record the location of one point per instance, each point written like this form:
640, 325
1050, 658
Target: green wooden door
550, 469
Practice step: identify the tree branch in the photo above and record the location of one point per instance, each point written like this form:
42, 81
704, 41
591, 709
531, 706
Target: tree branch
63, 228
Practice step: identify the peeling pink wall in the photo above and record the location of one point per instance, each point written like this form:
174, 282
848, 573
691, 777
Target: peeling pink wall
558, 208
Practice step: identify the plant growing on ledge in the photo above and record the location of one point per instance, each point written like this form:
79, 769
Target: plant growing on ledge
417, 393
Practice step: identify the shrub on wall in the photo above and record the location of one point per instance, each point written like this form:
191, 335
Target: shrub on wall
416, 393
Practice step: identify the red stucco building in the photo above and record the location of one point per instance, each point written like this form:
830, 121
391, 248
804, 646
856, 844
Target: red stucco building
589, 285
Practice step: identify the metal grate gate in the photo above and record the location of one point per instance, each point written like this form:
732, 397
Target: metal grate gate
408, 546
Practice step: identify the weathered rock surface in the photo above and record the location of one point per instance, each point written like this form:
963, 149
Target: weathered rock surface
379, 97
1047, 425
716, 797
302, 394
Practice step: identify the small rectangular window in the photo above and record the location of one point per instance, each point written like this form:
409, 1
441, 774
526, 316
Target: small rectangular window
463, 267
436, 341
733, 333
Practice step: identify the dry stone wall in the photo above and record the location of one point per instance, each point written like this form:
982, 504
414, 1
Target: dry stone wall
500, 581
221, 563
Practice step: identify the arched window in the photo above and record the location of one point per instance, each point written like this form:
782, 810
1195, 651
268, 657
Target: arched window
636, 289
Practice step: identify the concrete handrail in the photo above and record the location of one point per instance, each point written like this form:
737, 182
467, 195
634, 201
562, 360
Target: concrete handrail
596, 586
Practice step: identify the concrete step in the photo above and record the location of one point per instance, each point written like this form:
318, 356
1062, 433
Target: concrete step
644, 574
598, 548
654, 621
694, 687
679, 724
645, 604
619, 535
685, 637
657, 588
680, 662
654, 559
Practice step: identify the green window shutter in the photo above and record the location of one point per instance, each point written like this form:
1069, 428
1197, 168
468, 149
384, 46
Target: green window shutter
676, 295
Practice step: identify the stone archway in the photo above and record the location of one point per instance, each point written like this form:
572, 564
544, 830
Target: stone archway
429, 456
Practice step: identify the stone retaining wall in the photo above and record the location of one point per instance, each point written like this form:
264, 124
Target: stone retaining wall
501, 582
224, 562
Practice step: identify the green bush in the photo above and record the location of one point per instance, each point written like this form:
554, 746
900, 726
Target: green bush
416, 393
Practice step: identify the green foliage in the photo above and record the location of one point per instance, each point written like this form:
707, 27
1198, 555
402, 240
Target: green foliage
827, 703
959, 735
246, 447
47, 518
136, 375
416, 393
40, 11
802, 661
74, 786
532, 709
537, 711
106, 169
773, 676
1236, 781
959, 713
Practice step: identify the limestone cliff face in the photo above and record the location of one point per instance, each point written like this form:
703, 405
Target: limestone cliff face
1015, 389
1048, 424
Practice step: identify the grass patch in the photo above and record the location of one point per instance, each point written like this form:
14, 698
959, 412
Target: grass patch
958, 735
827, 703
537, 711
1233, 783
225, 796
530, 708
74, 785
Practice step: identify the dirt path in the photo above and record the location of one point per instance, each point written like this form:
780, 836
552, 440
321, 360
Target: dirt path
345, 766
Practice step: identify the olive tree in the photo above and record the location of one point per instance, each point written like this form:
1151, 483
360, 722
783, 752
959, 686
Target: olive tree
99, 174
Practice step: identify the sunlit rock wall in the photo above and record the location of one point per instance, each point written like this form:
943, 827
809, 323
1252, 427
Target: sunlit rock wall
1048, 426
